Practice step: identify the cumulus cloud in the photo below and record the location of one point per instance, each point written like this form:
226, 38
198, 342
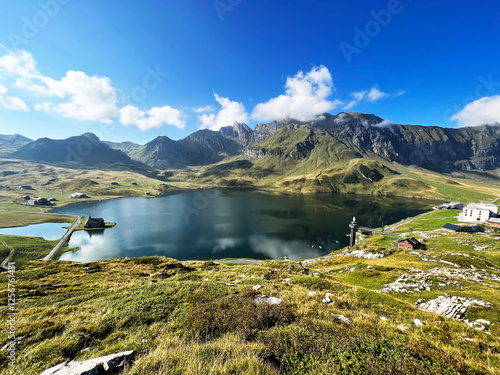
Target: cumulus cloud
152, 118
90, 98
230, 113
11, 102
373, 95
482, 111
77, 95
306, 96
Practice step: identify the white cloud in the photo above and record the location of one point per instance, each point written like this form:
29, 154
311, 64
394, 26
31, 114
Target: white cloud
90, 98
230, 113
373, 95
153, 118
482, 111
11, 102
78, 95
306, 96
207, 108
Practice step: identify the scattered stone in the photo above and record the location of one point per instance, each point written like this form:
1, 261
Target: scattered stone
384, 319
287, 279
366, 254
257, 287
369, 267
205, 279
418, 323
312, 294
238, 282
90, 269
342, 318
86, 349
243, 276
229, 284
468, 339
269, 300
451, 307
418, 280
480, 248
307, 261
315, 274
327, 298
104, 365
402, 327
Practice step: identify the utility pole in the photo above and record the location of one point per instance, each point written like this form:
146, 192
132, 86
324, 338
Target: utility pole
354, 228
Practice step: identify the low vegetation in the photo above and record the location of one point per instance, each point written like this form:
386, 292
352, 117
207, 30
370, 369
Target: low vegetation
200, 318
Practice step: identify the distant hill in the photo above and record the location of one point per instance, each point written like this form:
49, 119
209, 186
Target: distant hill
78, 152
11, 143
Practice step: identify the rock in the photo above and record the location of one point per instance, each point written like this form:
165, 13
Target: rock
468, 339
287, 279
268, 300
483, 321
418, 323
91, 270
327, 298
229, 284
451, 307
315, 274
342, 318
384, 319
238, 282
402, 327
104, 365
312, 294
205, 279
257, 287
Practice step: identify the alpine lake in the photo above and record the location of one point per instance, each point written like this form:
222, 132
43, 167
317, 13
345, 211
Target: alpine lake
220, 224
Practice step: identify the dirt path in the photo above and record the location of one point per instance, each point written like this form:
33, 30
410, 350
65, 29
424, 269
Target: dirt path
63, 239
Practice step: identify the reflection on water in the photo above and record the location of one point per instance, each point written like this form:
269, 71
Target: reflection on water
230, 224
49, 231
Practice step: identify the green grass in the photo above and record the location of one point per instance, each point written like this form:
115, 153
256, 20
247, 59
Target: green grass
25, 248
431, 221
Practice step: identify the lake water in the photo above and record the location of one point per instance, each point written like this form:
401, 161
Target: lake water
49, 231
215, 224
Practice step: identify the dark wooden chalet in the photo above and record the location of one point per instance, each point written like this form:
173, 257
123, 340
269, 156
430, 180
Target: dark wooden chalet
409, 243
95, 223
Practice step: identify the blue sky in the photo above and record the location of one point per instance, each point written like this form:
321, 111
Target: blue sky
129, 70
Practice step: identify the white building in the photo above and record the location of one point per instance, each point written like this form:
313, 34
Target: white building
478, 212
78, 195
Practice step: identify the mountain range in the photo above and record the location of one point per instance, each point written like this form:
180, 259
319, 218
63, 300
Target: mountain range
353, 147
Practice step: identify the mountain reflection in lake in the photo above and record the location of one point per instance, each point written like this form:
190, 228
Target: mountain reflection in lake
219, 224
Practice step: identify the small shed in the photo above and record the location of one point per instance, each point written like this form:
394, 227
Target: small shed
25, 187
409, 243
95, 222
463, 229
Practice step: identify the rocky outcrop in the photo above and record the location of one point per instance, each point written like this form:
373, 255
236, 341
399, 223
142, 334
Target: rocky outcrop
450, 306
110, 364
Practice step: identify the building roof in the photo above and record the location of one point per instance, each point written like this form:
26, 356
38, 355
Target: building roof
453, 227
411, 240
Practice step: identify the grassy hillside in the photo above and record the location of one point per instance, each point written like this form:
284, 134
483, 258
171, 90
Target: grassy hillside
200, 318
